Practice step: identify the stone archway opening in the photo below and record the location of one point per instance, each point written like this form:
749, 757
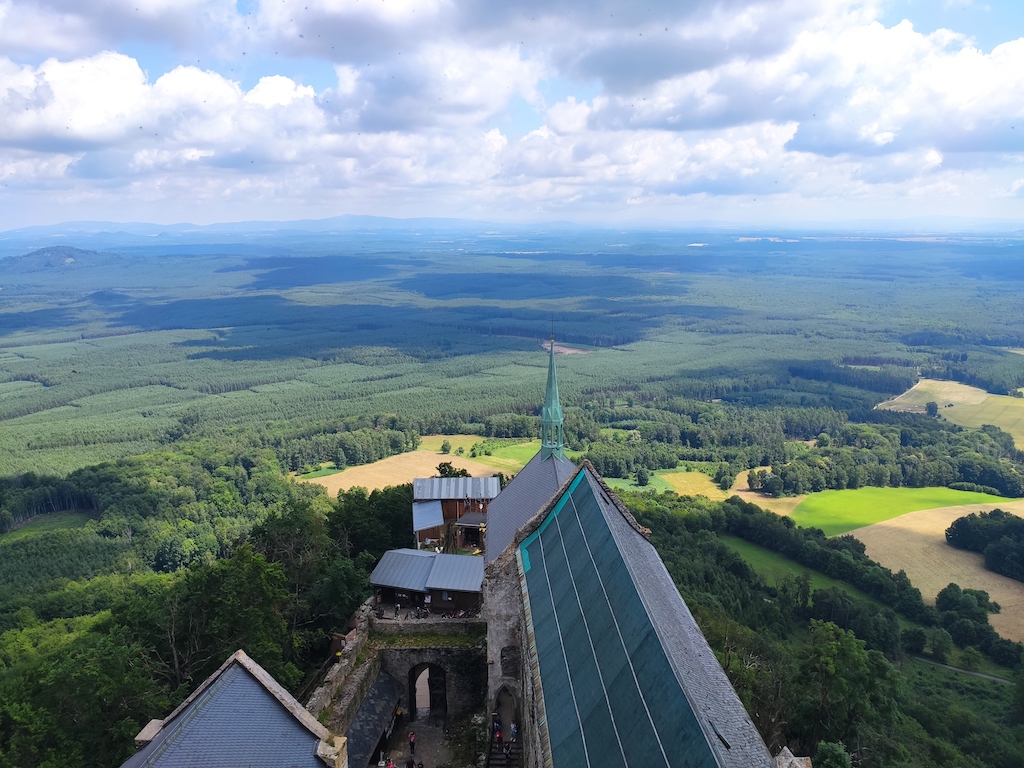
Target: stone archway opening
428, 693
505, 709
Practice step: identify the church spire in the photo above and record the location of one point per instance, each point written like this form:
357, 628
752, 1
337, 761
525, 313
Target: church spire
552, 441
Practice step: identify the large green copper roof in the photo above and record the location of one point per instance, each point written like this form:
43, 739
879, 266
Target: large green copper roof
624, 677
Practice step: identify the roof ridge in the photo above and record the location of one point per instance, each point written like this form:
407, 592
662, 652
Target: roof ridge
265, 679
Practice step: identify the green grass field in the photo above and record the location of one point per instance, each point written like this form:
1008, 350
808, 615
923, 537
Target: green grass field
327, 468
1003, 411
773, 567
45, 523
837, 512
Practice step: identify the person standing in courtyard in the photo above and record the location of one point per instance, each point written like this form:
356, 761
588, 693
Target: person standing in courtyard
412, 742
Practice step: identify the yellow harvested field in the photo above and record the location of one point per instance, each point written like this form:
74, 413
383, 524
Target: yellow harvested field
693, 484
966, 406
935, 390
916, 543
395, 470
434, 442
783, 506
1016, 350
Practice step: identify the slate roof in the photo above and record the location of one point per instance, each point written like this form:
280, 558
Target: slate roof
372, 719
418, 571
240, 716
624, 675
427, 488
522, 498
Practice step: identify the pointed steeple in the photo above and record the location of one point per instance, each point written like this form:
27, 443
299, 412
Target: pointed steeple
552, 441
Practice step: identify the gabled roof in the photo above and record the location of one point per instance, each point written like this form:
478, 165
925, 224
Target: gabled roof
418, 571
240, 715
524, 497
623, 674
477, 488
458, 573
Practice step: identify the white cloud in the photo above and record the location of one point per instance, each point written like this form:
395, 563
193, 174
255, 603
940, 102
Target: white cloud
808, 103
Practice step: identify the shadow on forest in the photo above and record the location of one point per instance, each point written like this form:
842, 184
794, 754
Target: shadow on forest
271, 327
37, 319
293, 272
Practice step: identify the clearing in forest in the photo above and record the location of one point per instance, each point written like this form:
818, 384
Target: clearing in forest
395, 470
837, 512
916, 543
774, 567
45, 523
781, 506
682, 481
963, 405
692, 484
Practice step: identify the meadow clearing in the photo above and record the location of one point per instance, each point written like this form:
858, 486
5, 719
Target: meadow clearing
916, 543
44, 523
781, 506
963, 405
837, 512
682, 481
395, 470
774, 567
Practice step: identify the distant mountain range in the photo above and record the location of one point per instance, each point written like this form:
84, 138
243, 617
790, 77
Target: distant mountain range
183, 237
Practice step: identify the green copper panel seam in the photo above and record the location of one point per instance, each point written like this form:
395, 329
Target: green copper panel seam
547, 520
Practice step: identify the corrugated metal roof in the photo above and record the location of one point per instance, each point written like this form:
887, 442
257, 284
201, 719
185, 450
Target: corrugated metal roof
455, 488
472, 520
235, 720
403, 569
527, 494
426, 514
624, 675
458, 573
417, 571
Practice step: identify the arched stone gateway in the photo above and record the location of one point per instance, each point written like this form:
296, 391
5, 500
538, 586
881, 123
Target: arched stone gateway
428, 695
456, 678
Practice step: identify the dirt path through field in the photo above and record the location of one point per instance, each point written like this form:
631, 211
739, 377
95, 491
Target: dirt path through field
395, 470
916, 543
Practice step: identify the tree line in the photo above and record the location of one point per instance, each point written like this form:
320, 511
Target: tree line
998, 535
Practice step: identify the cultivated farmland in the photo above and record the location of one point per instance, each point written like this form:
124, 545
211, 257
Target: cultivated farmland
963, 405
837, 512
395, 470
916, 543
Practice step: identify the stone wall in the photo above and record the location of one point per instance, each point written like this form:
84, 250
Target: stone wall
338, 676
502, 610
427, 626
465, 678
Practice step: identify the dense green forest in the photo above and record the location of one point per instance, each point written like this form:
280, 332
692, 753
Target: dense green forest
159, 394
135, 346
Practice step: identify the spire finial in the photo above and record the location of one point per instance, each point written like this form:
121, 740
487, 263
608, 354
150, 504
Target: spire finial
552, 441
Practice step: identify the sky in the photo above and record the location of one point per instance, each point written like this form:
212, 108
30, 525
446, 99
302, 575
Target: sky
639, 112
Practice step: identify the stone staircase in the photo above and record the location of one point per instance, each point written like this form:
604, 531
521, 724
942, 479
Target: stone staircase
496, 757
